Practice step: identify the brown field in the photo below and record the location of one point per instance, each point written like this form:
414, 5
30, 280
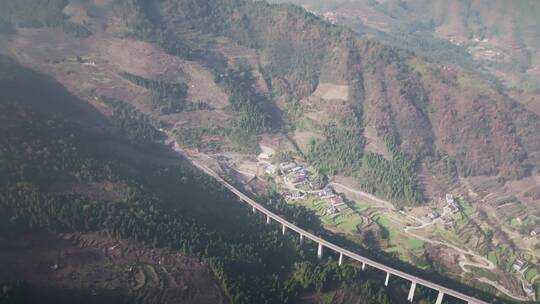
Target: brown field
302, 139
374, 143
329, 91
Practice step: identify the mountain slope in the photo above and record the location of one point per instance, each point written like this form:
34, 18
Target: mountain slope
499, 37
72, 180
399, 103
254, 72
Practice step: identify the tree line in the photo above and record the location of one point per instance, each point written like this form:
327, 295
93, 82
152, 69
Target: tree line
245, 100
167, 97
137, 127
342, 149
160, 205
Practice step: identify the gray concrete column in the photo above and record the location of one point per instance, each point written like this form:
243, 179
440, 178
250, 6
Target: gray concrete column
268, 219
387, 278
301, 239
340, 261
440, 297
283, 229
363, 266
411, 291
319, 251
254, 210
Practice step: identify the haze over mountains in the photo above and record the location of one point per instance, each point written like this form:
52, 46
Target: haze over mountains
500, 37
404, 100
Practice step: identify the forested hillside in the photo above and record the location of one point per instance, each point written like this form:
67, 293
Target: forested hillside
498, 35
403, 98
84, 150
53, 141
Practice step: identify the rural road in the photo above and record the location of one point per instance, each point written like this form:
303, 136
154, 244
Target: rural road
486, 263
344, 251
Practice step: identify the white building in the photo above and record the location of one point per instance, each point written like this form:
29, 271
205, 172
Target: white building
433, 215
297, 169
520, 265
271, 169
286, 167
326, 192
332, 210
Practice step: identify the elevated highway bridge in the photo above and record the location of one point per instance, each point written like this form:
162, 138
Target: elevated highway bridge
342, 252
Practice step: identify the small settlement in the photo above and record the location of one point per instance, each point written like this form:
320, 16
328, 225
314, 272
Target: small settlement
299, 185
520, 265
451, 207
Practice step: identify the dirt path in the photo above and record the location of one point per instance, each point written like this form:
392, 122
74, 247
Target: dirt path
486, 263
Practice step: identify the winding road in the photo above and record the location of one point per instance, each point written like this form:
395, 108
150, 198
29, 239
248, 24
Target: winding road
489, 265
486, 263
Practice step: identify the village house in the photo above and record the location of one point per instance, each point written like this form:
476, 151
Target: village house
326, 192
301, 184
332, 210
286, 167
535, 231
298, 169
295, 179
520, 265
433, 215
336, 200
527, 287
452, 206
294, 195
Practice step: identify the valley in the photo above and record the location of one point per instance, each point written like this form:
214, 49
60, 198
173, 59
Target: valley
408, 233
428, 165
496, 37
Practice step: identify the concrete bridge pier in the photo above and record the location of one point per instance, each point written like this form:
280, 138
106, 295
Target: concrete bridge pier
387, 278
363, 266
340, 261
254, 210
440, 297
301, 239
411, 291
268, 219
319, 251
283, 229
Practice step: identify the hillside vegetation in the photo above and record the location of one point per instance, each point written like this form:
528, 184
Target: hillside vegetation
498, 37
425, 109
53, 141
222, 77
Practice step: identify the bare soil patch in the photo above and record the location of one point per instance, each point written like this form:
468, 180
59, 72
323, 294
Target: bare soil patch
330, 91
302, 139
374, 143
